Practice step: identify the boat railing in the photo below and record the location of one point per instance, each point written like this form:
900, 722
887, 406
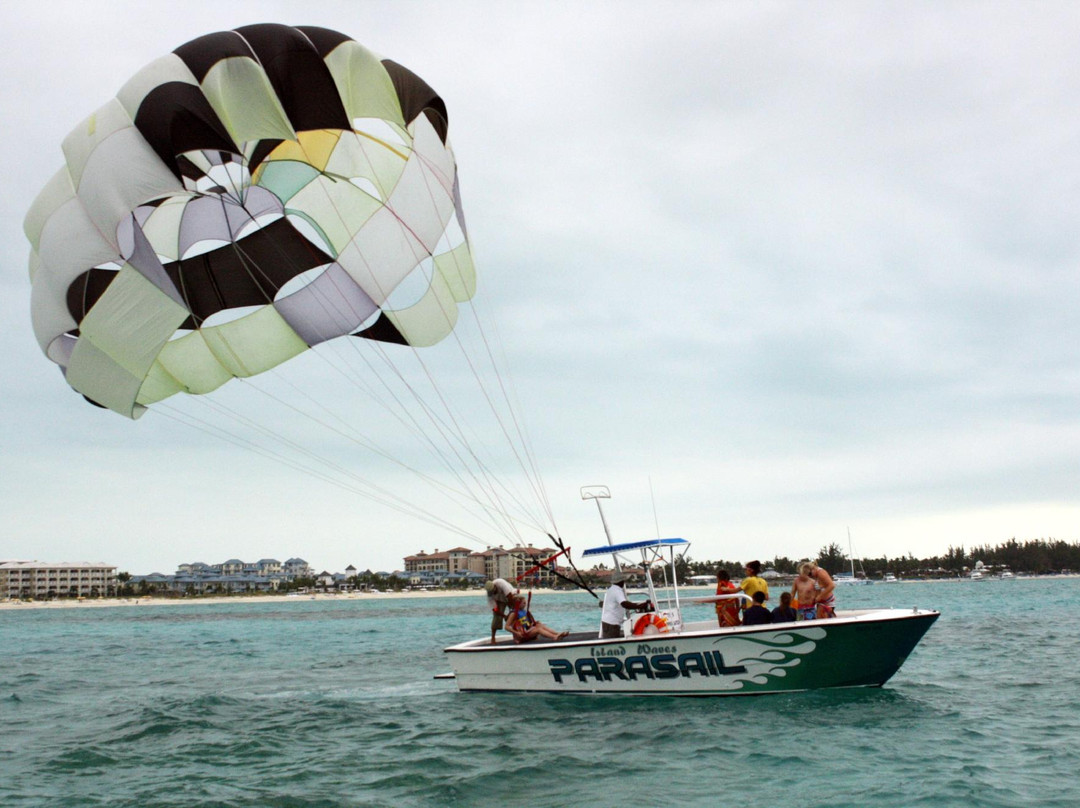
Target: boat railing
741, 596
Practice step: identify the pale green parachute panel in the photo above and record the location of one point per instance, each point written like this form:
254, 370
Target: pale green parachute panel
366, 89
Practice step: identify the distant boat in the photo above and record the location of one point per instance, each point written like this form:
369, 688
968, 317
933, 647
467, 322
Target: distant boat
977, 575
849, 579
890, 579
1007, 574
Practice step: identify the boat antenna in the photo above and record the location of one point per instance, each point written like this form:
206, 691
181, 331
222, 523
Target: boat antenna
599, 492
656, 519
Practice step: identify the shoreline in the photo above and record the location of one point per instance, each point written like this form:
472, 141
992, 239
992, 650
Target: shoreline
145, 600
149, 601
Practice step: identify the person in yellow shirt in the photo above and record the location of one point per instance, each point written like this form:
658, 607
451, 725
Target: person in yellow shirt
753, 582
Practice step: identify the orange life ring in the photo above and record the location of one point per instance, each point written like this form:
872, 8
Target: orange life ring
651, 623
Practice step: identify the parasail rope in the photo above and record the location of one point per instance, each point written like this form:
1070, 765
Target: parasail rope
484, 483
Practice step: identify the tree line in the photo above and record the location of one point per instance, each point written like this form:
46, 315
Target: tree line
1034, 556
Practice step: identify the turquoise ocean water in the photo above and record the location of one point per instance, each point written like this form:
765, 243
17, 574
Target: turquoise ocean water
319, 703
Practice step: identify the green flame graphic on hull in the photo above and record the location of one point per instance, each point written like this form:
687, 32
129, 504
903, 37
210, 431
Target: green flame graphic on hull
768, 658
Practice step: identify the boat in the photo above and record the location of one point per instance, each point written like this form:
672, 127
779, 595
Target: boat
890, 579
848, 578
660, 654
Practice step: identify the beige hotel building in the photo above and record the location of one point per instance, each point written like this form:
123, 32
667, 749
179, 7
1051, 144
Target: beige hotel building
37, 579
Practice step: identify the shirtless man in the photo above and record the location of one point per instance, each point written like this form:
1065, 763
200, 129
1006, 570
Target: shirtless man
813, 588
804, 590
826, 602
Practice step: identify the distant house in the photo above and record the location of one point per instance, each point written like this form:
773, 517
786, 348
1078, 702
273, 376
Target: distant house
234, 566
296, 568
268, 566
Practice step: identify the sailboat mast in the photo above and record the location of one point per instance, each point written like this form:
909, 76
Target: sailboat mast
851, 554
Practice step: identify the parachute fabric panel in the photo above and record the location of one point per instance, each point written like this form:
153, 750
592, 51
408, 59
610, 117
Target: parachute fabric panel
119, 339
185, 364
299, 76
249, 195
112, 168
68, 243
332, 305
253, 344
457, 270
365, 87
430, 319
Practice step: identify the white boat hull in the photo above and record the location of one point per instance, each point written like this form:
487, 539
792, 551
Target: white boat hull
856, 649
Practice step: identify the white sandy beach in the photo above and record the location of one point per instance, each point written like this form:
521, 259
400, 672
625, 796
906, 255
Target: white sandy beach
94, 603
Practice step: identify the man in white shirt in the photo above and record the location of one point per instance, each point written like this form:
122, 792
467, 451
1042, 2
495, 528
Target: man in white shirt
615, 607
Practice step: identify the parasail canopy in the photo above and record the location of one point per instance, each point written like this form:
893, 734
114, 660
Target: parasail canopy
252, 194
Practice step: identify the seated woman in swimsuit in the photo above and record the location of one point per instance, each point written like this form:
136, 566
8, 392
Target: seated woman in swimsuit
524, 626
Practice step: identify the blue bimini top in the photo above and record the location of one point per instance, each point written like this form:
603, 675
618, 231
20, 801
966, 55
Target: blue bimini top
634, 545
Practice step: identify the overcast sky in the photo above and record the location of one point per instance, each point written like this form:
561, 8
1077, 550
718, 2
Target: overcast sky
770, 271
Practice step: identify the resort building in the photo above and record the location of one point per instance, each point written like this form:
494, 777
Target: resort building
37, 579
264, 567
448, 561
233, 575
495, 562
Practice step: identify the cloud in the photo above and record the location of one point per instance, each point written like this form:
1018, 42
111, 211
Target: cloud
799, 267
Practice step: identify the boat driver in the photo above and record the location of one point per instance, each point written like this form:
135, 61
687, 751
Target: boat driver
615, 607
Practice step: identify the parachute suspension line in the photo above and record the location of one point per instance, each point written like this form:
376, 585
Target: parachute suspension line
447, 315
486, 393
325, 302
535, 479
254, 271
376, 494
359, 485
363, 442
481, 476
484, 493
579, 582
417, 430
451, 438
538, 494
531, 471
